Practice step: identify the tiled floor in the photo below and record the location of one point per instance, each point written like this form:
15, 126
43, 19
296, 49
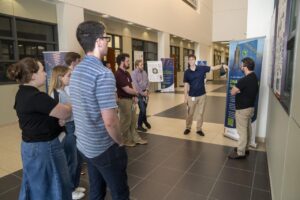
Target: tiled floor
172, 166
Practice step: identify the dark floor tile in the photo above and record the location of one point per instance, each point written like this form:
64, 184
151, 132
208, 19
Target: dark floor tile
228, 191
217, 158
244, 164
11, 194
261, 181
262, 168
178, 194
165, 176
140, 169
188, 152
166, 149
154, 158
237, 176
196, 184
147, 190
206, 169
19, 173
178, 163
261, 195
8, 182
135, 152
133, 181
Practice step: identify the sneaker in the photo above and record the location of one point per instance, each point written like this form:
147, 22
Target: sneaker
141, 141
129, 144
147, 125
80, 189
200, 133
234, 155
247, 152
77, 195
186, 131
141, 129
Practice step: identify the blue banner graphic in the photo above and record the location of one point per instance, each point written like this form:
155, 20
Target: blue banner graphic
238, 50
168, 73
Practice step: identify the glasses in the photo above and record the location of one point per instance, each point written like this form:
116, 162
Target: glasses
106, 37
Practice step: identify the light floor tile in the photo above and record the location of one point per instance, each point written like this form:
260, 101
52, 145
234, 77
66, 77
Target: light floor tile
3, 172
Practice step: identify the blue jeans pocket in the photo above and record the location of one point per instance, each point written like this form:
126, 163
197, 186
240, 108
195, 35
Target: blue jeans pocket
30, 150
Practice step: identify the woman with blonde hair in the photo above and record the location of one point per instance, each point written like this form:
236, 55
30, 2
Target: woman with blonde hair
60, 79
45, 171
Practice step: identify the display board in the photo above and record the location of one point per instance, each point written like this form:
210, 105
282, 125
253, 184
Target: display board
155, 71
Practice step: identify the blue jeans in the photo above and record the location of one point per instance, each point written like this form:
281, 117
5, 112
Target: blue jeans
69, 144
109, 169
143, 110
45, 172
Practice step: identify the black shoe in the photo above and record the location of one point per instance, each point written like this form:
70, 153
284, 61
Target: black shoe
235, 156
200, 133
141, 129
247, 152
147, 125
186, 131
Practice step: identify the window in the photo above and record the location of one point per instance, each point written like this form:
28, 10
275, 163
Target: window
149, 49
115, 43
285, 97
175, 54
20, 38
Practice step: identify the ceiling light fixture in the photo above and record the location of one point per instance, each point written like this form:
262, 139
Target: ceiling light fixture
105, 16
129, 23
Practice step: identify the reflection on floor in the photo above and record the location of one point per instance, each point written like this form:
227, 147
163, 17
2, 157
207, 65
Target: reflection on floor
174, 167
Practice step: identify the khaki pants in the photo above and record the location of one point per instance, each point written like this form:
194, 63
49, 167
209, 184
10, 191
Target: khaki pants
195, 107
128, 120
243, 126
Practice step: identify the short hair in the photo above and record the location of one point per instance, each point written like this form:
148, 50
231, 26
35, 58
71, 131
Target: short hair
23, 70
71, 57
249, 63
137, 62
121, 58
87, 33
192, 56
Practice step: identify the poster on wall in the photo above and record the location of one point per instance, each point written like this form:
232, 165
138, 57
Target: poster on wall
155, 71
168, 75
53, 58
280, 48
252, 48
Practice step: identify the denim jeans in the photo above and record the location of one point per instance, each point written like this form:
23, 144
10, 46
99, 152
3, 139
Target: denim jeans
143, 110
69, 144
109, 169
45, 172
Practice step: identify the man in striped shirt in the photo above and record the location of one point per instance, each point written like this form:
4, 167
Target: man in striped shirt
92, 90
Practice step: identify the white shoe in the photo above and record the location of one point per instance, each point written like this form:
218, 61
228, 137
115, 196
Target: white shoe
77, 195
80, 189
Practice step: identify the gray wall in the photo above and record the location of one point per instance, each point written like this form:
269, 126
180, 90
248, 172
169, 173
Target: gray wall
283, 140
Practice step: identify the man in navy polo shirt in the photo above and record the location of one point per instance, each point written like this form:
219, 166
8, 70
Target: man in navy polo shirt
195, 94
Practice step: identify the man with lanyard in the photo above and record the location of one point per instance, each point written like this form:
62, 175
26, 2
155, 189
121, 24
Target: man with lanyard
195, 94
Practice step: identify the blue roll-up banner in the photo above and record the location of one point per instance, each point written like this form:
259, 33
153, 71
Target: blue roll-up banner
238, 50
168, 73
51, 59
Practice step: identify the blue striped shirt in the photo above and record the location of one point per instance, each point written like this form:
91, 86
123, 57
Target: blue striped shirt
92, 90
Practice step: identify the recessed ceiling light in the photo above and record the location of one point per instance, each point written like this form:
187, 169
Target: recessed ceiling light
174, 36
130, 23
148, 28
105, 16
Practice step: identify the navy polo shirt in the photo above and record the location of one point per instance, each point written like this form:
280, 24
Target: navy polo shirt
196, 80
